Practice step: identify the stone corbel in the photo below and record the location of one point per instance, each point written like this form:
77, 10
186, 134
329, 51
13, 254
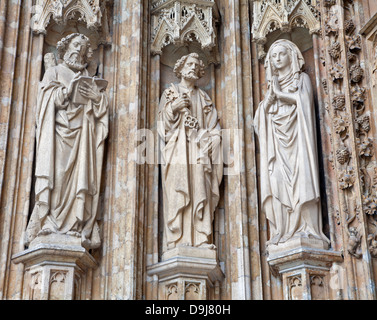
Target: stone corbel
54, 271
186, 273
306, 272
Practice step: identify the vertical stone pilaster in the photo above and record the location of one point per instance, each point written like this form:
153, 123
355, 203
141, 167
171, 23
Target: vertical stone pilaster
122, 269
20, 69
242, 261
347, 104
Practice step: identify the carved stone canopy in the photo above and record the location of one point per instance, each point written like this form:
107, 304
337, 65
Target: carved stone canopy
89, 11
183, 22
284, 15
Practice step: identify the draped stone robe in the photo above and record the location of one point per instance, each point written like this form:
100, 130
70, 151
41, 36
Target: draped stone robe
289, 175
191, 176
69, 153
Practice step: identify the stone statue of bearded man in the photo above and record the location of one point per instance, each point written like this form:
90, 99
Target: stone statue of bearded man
70, 138
192, 166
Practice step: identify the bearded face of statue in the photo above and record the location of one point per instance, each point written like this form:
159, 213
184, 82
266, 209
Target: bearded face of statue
74, 57
191, 68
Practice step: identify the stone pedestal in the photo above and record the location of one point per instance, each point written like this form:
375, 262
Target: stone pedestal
305, 270
186, 273
54, 267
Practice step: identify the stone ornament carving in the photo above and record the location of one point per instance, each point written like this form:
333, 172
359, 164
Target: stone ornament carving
172, 291
182, 22
90, 11
192, 291
57, 285
35, 286
295, 288
318, 287
72, 125
284, 123
354, 240
192, 166
283, 15
352, 172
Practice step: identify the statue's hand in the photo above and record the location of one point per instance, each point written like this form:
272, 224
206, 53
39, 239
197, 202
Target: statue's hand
181, 103
90, 91
276, 87
70, 88
271, 97
284, 97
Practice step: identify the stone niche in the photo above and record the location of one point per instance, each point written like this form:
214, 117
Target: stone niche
180, 28
58, 263
303, 264
186, 273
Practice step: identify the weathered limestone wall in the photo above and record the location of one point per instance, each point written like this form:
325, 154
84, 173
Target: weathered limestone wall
130, 202
121, 273
240, 254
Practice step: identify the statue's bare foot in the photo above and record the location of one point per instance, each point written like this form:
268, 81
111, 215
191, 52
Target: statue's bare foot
45, 232
74, 233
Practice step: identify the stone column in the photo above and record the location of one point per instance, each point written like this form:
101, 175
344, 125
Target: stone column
242, 258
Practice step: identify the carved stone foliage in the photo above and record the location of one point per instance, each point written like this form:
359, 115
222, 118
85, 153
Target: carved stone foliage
92, 12
354, 242
365, 143
183, 22
284, 15
351, 122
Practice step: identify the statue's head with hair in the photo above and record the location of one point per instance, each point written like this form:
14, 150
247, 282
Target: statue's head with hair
75, 50
180, 64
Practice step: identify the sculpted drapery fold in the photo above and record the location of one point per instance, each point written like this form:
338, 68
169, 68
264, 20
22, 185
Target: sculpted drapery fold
285, 124
69, 149
191, 164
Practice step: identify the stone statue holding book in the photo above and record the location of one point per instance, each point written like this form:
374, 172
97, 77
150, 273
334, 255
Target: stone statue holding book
72, 125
